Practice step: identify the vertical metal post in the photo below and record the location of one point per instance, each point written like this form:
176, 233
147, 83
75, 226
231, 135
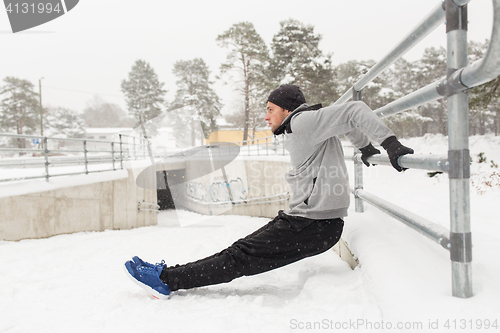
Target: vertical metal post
121, 152
46, 155
358, 168
85, 157
458, 155
133, 140
41, 108
141, 148
113, 154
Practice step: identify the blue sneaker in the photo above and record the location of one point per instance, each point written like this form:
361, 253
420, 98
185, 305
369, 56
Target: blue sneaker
148, 277
140, 262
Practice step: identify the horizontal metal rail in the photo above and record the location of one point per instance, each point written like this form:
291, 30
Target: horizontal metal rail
60, 160
21, 163
488, 68
148, 209
22, 136
424, 28
22, 150
251, 201
424, 95
266, 139
120, 151
419, 161
431, 230
140, 203
22, 178
260, 200
473, 75
77, 173
244, 202
54, 175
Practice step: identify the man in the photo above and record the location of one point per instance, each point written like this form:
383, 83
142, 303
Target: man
318, 203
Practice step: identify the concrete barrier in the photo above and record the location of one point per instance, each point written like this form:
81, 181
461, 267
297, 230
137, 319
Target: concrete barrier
94, 202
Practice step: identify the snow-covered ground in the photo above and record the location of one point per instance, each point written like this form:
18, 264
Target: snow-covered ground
76, 283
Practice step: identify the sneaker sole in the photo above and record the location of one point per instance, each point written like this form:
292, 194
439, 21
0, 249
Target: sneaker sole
153, 292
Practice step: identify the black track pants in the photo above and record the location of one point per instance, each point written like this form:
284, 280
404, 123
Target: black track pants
284, 240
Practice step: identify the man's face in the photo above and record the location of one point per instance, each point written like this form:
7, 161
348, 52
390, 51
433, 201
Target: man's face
275, 115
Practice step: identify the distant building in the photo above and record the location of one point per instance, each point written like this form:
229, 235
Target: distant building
93, 135
107, 133
230, 133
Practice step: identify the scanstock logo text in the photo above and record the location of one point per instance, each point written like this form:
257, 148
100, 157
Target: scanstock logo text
26, 14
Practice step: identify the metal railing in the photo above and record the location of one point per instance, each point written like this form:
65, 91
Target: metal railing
251, 201
459, 78
79, 153
149, 206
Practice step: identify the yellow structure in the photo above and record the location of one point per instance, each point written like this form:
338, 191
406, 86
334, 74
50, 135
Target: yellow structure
236, 136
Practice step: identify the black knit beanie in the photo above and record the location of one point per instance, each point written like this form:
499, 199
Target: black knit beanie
287, 96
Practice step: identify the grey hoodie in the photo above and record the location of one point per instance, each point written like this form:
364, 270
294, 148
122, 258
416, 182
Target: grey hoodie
318, 179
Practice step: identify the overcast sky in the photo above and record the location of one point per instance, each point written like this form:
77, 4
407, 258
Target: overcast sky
91, 49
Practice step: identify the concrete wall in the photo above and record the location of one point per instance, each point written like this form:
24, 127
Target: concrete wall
249, 180
96, 206
265, 179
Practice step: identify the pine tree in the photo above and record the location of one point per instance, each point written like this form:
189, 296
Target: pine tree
248, 56
143, 92
195, 96
404, 78
486, 97
484, 100
347, 74
298, 60
432, 68
19, 108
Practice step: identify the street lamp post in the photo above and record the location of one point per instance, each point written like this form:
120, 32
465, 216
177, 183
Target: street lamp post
41, 110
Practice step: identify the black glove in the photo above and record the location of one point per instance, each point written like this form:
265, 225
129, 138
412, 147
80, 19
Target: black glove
367, 152
395, 149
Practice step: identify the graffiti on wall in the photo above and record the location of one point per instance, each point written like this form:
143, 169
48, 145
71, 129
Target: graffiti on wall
196, 191
217, 191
